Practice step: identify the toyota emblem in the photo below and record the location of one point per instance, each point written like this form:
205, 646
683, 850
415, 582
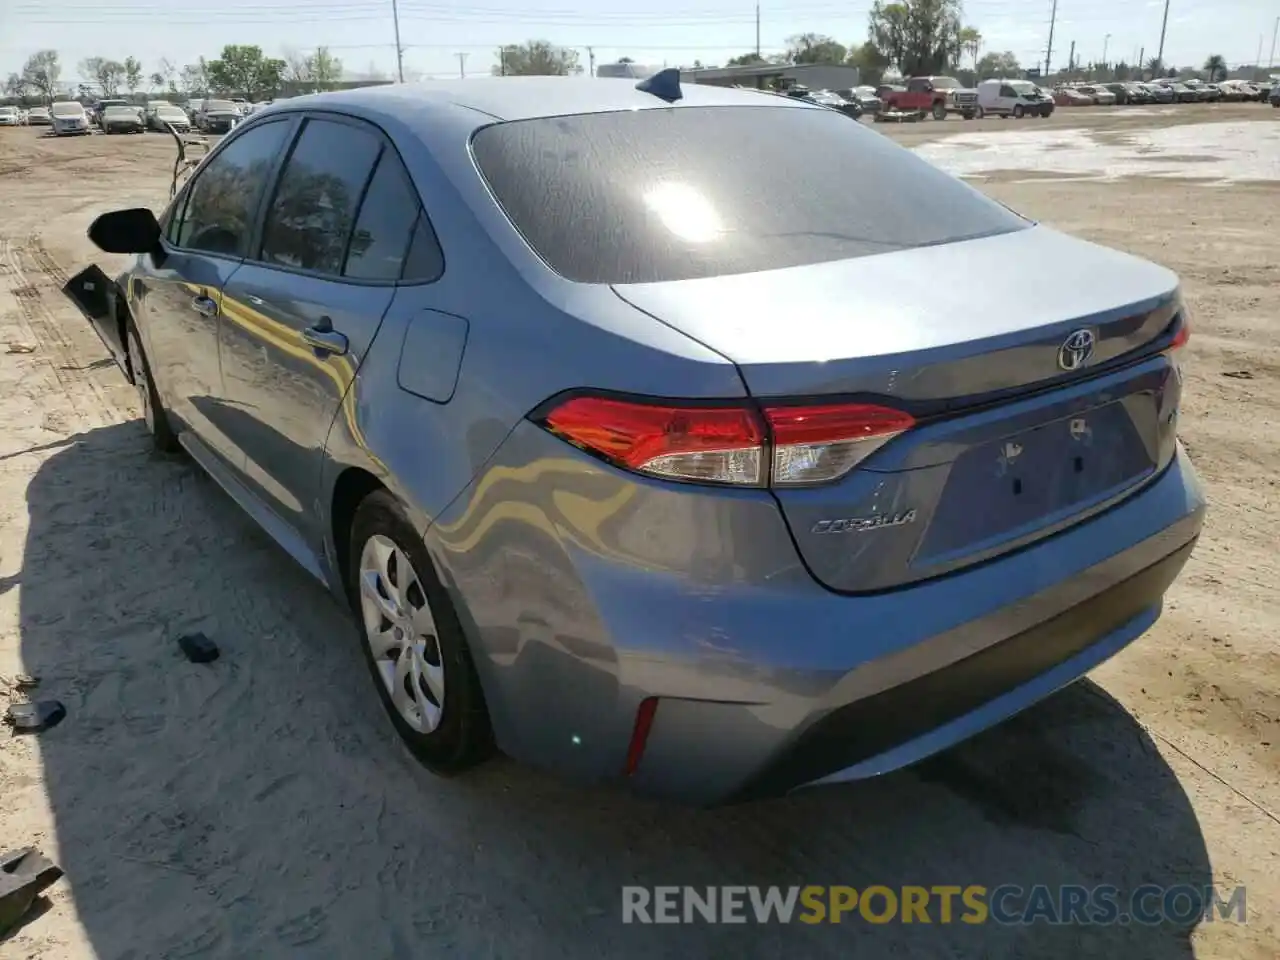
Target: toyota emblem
1076, 350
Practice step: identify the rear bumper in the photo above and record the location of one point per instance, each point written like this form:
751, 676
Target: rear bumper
585, 592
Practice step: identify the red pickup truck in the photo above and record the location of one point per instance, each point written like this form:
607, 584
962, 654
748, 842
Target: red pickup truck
933, 96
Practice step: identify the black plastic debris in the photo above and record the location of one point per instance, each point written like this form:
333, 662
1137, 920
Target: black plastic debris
35, 717
24, 875
20, 682
198, 648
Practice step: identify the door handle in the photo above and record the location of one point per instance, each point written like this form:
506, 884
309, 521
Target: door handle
205, 306
325, 339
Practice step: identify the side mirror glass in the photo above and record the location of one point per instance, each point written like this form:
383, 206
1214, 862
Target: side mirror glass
126, 231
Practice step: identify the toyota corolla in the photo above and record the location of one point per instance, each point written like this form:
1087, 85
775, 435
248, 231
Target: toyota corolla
640, 452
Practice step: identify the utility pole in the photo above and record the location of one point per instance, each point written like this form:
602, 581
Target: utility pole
1071, 59
1106, 42
1142, 69
462, 65
1163, 24
1048, 53
758, 30
502, 61
591, 61
1271, 60
395, 17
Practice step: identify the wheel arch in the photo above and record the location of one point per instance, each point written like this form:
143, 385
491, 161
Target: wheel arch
350, 488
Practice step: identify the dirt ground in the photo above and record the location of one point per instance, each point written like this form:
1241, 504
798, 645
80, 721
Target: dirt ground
260, 807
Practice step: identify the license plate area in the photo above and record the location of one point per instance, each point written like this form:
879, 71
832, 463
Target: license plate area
1007, 488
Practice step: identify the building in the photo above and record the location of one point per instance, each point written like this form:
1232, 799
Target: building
626, 70
815, 76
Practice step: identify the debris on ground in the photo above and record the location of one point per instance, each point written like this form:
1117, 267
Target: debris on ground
35, 717
1238, 374
198, 648
19, 682
21, 348
24, 875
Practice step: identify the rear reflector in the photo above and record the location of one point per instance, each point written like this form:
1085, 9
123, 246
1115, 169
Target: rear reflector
640, 734
780, 445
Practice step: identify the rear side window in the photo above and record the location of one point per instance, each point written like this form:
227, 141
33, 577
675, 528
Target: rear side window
314, 208
385, 225
224, 198
646, 196
425, 260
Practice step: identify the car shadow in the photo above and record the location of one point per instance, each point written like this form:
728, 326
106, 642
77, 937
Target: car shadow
260, 806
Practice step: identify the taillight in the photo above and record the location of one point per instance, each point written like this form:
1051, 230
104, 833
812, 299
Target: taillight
817, 444
778, 445
1182, 336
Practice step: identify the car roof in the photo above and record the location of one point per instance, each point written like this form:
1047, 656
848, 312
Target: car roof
518, 98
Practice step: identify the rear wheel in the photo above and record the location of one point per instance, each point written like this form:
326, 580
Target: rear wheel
153, 415
939, 111
413, 643
980, 113
1018, 111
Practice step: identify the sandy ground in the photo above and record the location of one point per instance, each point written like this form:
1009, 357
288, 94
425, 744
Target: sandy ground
260, 807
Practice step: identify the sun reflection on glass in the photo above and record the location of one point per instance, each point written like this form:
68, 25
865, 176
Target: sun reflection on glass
685, 212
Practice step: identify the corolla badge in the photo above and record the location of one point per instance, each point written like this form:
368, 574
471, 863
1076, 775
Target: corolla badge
1076, 350
863, 524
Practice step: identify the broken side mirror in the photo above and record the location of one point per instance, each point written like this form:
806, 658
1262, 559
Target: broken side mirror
126, 231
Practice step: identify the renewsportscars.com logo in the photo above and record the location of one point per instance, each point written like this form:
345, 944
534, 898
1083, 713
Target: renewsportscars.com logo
1008, 904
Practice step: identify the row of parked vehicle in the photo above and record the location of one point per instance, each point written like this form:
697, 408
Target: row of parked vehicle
71, 117
1167, 91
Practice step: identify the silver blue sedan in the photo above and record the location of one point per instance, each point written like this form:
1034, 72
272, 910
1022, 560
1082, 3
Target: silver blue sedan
645, 442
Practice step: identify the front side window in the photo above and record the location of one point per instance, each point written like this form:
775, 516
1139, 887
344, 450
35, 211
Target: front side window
314, 209
228, 189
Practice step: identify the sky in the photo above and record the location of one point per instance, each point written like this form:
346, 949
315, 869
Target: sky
444, 39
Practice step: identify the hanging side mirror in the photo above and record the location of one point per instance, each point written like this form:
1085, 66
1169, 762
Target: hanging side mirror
135, 230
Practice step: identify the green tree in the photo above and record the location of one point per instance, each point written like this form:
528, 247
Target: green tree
815, 48
242, 69
1216, 66
132, 74
106, 73
746, 60
1004, 65
194, 77
41, 73
537, 58
971, 43
871, 63
920, 37
324, 68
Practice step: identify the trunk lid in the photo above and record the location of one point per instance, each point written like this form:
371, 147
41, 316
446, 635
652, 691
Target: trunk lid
1013, 441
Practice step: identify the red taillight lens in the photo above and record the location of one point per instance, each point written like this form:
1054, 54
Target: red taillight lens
711, 444
795, 444
816, 444
1182, 336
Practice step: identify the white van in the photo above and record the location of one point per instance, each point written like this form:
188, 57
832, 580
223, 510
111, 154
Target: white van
1012, 98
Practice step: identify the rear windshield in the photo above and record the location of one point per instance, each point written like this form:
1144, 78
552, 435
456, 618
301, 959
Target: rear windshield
120, 111
647, 196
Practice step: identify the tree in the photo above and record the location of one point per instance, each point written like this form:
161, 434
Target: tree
1155, 66
107, 74
165, 75
537, 58
1216, 65
242, 69
746, 60
971, 43
1004, 65
920, 37
815, 48
625, 60
324, 68
132, 74
15, 85
194, 77
871, 63
41, 73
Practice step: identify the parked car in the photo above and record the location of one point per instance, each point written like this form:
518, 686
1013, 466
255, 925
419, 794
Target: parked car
167, 115
1099, 94
1275, 96
1183, 94
864, 97
39, 117
1160, 92
1137, 93
124, 119
1070, 97
217, 116
934, 96
827, 98
10, 117
99, 107
883, 91
1120, 91
1011, 98
526, 524
69, 118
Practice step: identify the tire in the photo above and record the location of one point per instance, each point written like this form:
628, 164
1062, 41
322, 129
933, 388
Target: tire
969, 114
1017, 111
980, 113
939, 111
446, 737
153, 414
